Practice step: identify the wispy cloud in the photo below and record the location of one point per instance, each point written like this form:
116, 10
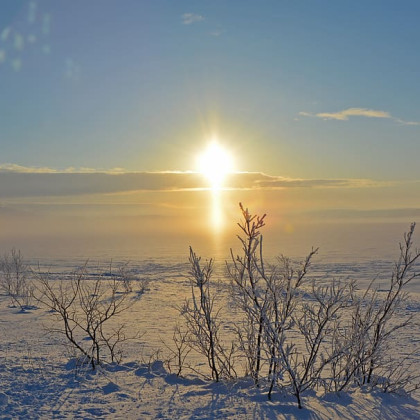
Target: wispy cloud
354, 112
217, 32
403, 122
189, 18
14, 168
345, 114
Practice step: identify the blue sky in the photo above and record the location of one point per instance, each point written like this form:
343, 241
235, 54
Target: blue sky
319, 100
141, 85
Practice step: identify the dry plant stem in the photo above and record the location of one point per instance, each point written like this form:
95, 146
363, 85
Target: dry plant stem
180, 339
177, 357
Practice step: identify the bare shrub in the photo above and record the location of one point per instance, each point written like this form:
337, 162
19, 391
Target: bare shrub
375, 322
382, 325
130, 280
85, 307
14, 280
203, 322
177, 356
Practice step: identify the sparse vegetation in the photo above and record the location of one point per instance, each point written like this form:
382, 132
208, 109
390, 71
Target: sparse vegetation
203, 322
14, 280
298, 334
290, 332
85, 306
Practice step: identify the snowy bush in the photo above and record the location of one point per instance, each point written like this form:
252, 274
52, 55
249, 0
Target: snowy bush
14, 280
203, 323
374, 322
298, 334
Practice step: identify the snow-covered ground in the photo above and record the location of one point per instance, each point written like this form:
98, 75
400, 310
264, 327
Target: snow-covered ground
39, 379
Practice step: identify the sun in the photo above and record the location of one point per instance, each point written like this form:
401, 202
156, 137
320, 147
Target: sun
215, 163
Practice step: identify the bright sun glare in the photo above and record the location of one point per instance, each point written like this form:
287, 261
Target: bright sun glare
215, 163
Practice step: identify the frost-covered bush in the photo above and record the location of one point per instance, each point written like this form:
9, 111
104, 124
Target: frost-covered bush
374, 322
14, 280
299, 334
203, 322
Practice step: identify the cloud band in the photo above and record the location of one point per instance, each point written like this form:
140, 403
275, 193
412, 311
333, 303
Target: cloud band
24, 183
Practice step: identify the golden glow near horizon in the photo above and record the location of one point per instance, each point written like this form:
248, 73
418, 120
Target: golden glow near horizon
217, 218
215, 163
